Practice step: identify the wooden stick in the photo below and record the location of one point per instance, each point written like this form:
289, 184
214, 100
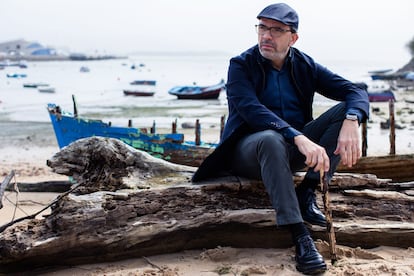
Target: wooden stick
4, 185
392, 128
328, 214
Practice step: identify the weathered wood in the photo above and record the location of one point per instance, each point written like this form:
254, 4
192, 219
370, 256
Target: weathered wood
4, 185
399, 168
113, 217
58, 186
330, 231
392, 127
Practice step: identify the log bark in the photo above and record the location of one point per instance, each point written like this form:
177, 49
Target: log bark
131, 204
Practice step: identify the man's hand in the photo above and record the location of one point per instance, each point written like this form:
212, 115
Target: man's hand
315, 155
348, 143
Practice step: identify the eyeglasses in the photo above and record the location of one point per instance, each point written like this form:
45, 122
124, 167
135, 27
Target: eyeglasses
274, 31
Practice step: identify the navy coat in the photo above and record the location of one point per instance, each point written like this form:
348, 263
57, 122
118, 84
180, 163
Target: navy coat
246, 80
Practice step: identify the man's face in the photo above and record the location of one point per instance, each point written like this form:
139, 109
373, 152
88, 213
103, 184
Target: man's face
274, 43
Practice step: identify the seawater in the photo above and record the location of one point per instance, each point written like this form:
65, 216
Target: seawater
99, 93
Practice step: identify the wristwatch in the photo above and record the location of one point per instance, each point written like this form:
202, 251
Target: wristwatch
351, 117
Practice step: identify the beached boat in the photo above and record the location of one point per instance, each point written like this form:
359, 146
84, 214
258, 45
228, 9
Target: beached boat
377, 91
382, 96
144, 82
172, 147
138, 93
198, 92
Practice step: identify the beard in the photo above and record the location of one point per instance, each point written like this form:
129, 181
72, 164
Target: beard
270, 51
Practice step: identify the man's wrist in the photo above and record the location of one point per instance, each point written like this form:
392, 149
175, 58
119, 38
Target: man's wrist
351, 117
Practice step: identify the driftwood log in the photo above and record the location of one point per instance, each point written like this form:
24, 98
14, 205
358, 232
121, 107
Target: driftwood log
129, 204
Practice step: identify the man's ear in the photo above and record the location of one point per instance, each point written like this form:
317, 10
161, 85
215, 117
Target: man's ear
295, 37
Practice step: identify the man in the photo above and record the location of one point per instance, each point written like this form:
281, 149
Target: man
270, 132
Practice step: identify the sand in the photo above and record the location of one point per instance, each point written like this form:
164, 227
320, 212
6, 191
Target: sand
28, 160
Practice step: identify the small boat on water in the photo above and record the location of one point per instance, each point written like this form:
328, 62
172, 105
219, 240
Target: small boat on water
138, 93
144, 82
34, 84
46, 89
172, 147
16, 76
196, 92
84, 69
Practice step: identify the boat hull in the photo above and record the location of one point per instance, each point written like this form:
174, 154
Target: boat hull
138, 93
383, 96
170, 147
197, 92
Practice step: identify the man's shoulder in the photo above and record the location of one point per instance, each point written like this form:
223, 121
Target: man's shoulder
299, 56
251, 53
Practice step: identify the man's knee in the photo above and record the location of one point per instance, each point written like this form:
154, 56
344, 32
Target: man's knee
271, 140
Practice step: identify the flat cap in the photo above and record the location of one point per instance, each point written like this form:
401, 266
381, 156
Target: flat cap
281, 12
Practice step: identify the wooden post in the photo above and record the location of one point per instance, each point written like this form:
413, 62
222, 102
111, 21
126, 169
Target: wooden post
174, 126
153, 127
222, 122
328, 214
197, 132
392, 128
75, 107
364, 139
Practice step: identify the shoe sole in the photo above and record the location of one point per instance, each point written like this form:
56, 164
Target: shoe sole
317, 269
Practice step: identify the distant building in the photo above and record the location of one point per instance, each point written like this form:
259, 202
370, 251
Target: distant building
23, 49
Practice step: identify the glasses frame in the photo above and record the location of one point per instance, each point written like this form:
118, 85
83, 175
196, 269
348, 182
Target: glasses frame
261, 29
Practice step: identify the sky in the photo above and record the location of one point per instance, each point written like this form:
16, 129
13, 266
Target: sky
351, 30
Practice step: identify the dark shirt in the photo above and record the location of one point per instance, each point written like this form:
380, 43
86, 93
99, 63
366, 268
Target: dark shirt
280, 97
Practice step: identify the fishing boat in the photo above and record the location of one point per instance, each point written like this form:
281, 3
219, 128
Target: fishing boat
196, 92
46, 89
144, 82
84, 69
382, 96
138, 93
16, 75
69, 127
377, 91
34, 84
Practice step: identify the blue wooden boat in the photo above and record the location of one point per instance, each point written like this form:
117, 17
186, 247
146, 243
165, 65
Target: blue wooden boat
69, 127
196, 92
16, 75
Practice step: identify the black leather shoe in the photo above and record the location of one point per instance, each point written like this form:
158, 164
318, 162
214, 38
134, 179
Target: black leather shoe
308, 207
308, 259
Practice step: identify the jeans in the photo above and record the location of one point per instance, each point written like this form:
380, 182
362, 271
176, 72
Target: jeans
267, 156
